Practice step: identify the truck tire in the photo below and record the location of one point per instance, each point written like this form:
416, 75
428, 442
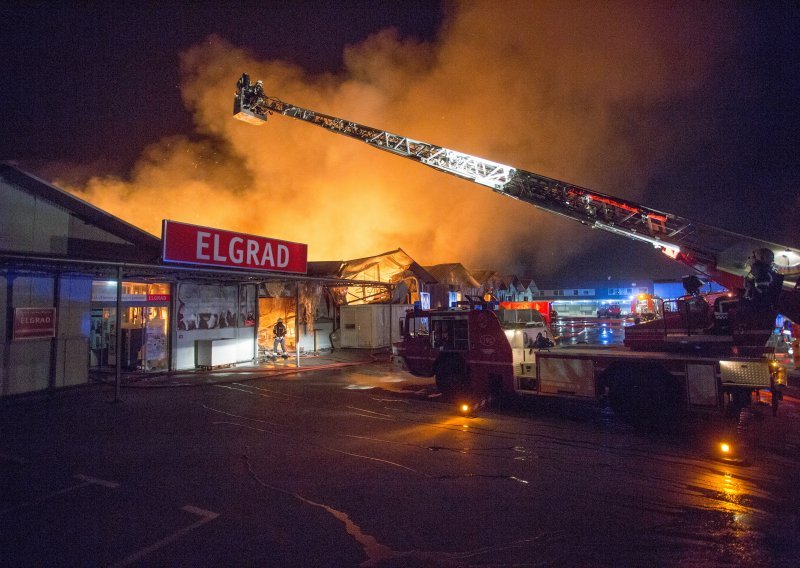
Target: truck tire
451, 375
643, 393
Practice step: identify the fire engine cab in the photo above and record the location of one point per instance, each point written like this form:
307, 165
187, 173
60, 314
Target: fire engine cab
473, 347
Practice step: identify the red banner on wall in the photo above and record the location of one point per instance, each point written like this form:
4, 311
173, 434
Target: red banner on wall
215, 247
543, 308
34, 323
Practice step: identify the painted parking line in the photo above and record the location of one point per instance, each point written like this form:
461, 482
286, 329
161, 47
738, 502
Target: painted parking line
95, 481
206, 516
86, 482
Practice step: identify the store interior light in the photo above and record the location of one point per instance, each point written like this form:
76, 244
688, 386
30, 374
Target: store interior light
787, 259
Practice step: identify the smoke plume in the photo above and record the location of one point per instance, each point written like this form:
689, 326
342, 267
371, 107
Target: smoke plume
571, 91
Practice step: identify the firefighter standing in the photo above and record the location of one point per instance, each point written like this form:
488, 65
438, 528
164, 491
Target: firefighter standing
280, 337
762, 284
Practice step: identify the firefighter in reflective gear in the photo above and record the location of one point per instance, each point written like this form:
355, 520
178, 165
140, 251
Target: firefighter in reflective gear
541, 342
280, 337
762, 284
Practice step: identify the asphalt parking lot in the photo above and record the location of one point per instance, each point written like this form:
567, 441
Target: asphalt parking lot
356, 464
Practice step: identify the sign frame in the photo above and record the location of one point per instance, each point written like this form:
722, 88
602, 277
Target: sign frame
208, 246
27, 327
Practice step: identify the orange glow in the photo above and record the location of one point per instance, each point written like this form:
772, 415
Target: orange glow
292, 181
670, 252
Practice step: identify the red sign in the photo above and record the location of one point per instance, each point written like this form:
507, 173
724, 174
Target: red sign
158, 297
34, 323
215, 247
541, 307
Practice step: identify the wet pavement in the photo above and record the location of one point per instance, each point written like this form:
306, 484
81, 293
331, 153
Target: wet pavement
353, 464
590, 331
262, 368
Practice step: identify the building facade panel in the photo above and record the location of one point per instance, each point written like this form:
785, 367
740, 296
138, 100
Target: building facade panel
208, 312
72, 338
17, 209
50, 226
27, 361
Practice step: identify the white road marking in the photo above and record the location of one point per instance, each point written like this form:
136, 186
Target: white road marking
95, 481
381, 414
242, 425
86, 482
240, 416
268, 390
207, 516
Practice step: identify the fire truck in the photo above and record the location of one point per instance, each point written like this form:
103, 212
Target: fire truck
645, 307
701, 355
609, 311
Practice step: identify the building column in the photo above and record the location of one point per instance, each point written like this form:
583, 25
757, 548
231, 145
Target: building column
118, 338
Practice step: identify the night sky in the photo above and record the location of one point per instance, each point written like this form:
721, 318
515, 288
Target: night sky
687, 108
75, 73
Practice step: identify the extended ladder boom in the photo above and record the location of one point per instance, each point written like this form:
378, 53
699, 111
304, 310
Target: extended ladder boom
714, 252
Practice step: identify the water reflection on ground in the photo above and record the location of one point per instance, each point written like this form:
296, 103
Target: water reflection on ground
590, 331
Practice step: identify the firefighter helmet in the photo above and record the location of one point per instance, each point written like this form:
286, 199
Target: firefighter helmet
763, 255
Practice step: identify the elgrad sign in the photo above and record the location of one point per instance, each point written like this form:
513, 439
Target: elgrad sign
34, 323
215, 247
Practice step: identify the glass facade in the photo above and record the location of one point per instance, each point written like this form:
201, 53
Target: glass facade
144, 325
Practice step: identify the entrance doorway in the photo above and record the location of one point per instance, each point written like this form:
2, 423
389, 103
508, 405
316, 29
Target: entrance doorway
144, 326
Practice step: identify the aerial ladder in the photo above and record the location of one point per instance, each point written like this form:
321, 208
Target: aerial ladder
717, 254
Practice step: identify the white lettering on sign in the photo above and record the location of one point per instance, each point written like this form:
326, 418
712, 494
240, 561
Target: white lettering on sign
241, 251
35, 320
235, 251
217, 256
267, 256
202, 245
283, 256
252, 250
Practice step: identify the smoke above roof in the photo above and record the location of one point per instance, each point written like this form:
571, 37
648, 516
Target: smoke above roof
571, 91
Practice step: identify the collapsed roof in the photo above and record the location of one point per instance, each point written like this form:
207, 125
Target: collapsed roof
453, 274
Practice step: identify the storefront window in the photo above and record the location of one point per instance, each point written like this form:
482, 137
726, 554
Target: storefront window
144, 325
154, 289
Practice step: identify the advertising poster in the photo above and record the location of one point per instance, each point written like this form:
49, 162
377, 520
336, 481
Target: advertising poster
206, 306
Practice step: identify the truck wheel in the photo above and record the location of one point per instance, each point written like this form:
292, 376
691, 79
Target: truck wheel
643, 394
451, 375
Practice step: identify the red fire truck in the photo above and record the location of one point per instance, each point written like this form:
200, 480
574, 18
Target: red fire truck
645, 307
700, 356
476, 353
